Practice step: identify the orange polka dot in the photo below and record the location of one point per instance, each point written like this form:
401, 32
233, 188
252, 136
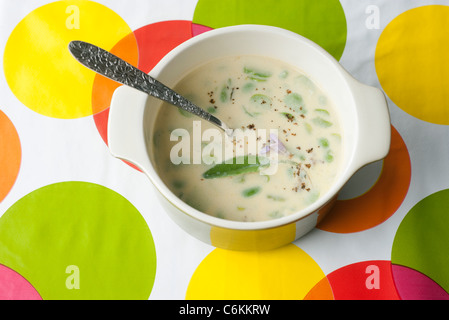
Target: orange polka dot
321, 291
103, 88
10, 155
381, 201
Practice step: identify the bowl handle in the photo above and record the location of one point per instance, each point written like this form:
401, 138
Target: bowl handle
374, 132
126, 138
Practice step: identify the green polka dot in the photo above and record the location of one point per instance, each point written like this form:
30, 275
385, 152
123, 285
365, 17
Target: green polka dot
421, 241
322, 21
79, 234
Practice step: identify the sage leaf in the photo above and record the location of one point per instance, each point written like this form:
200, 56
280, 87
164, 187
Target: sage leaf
239, 165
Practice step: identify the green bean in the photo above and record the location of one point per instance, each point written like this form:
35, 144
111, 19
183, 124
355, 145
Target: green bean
211, 110
329, 157
275, 198
225, 93
220, 215
283, 74
185, 113
312, 197
321, 122
289, 116
308, 127
157, 138
323, 142
305, 82
322, 100
256, 75
251, 114
248, 87
275, 214
261, 100
295, 102
336, 136
251, 192
240, 179
322, 112
178, 184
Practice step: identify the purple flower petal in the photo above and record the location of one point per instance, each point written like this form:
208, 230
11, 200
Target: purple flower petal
276, 145
264, 150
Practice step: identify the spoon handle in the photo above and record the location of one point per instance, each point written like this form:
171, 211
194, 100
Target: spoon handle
112, 67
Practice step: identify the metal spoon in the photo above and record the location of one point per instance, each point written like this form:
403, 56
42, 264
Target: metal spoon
112, 67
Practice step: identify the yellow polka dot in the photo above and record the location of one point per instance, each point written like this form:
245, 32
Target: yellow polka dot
412, 62
287, 273
38, 66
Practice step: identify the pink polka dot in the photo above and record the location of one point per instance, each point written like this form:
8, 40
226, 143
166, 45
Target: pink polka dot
198, 29
15, 287
413, 285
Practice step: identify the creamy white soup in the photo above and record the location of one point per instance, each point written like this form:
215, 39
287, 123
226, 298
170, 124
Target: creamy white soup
286, 157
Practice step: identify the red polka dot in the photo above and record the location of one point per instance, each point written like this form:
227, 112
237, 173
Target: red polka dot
368, 280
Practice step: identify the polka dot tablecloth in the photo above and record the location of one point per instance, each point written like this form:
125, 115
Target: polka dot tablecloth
76, 223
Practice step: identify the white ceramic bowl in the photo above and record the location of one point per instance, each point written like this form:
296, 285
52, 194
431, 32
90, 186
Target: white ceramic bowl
363, 112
